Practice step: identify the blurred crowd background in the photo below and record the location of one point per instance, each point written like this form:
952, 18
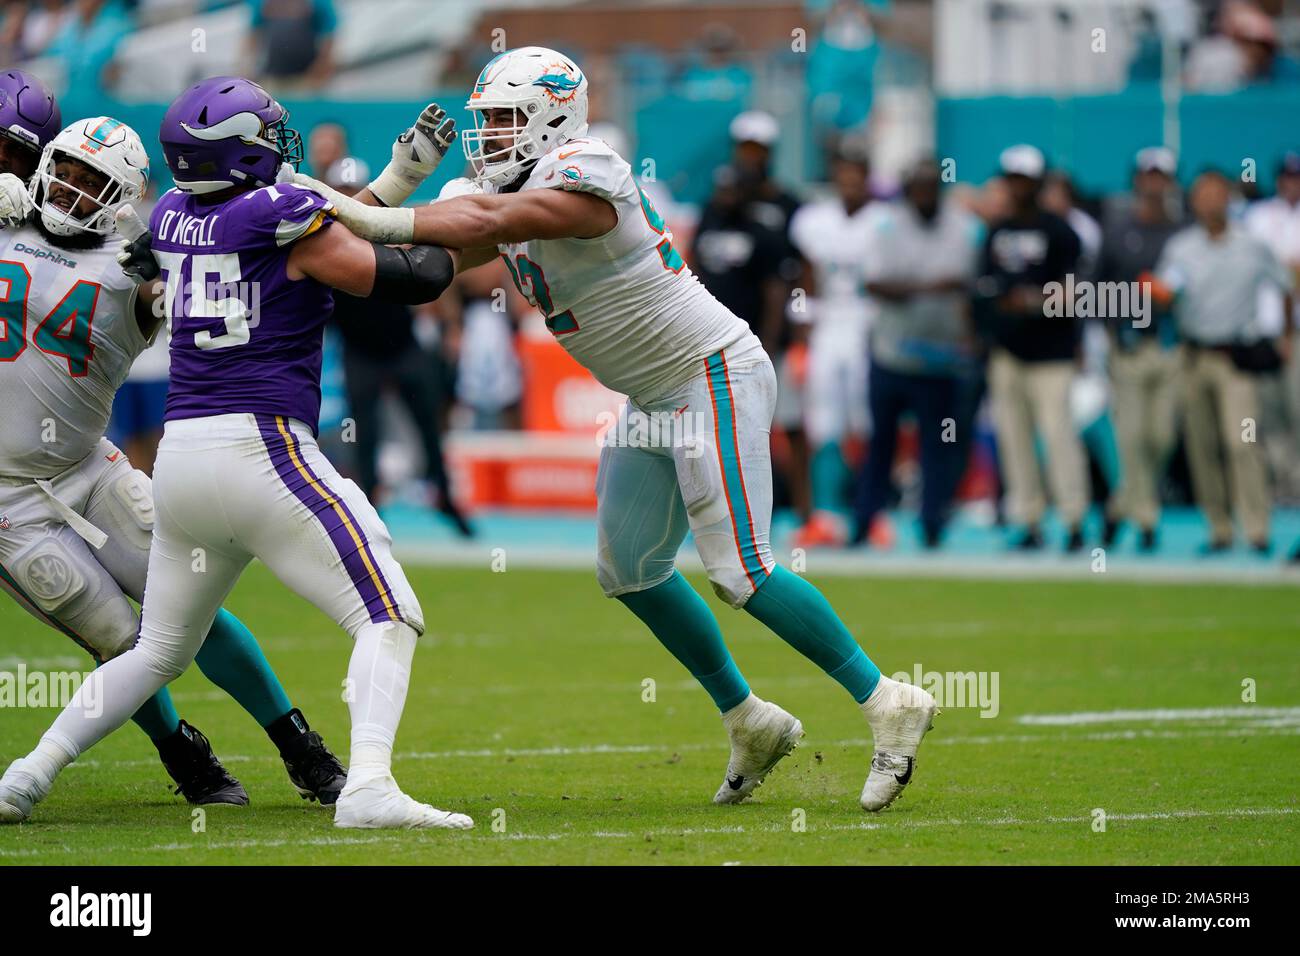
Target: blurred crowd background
883, 189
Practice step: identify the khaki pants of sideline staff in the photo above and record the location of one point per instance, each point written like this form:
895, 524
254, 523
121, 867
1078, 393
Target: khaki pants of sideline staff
1222, 418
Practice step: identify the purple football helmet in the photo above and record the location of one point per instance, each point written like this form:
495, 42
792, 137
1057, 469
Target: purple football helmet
28, 113
227, 131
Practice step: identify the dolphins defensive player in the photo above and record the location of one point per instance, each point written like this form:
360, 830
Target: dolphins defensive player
589, 250
76, 516
248, 267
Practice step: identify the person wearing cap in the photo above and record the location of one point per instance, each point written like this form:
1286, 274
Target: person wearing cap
1144, 353
767, 203
1213, 272
921, 261
1033, 357
380, 350
1276, 222
753, 136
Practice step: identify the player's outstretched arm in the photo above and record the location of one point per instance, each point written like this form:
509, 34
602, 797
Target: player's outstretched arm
475, 221
344, 261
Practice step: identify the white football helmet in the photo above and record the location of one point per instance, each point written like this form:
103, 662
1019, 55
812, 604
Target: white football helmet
107, 145
549, 95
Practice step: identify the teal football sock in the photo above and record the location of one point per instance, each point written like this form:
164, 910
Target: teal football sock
232, 659
157, 716
682, 621
803, 618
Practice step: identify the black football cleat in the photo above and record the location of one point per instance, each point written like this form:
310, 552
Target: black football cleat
313, 770
194, 768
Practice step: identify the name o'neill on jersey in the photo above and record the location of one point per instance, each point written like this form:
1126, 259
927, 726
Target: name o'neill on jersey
245, 338
68, 336
177, 227
624, 304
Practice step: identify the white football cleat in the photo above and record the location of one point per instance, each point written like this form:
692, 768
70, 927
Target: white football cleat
378, 803
761, 734
20, 791
899, 715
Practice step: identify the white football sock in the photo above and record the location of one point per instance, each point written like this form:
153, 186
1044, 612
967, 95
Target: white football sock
378, 676
105, 701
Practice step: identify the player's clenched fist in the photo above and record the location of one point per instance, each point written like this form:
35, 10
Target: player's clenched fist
416, 154
15, 203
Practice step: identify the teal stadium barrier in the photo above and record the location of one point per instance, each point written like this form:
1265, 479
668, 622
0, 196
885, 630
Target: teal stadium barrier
1095, 137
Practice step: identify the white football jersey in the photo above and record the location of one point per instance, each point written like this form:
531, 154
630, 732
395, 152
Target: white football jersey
624, 304
68, 336
836, 245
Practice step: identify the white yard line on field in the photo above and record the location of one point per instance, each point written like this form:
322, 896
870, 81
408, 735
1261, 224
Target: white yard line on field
1287, 730
737, 829
1242, 712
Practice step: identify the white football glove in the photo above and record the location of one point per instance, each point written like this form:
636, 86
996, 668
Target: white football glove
15, 204
136, 253
416, 154
459, 187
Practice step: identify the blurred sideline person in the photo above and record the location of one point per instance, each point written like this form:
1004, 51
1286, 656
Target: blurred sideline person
380, 351
1144, 359
137, 422
293, 41
1276, 222
739, 259
489, 374
1213, 271
1033, 359
1059, 196
327, 144
832, 237
769, 204
919, 266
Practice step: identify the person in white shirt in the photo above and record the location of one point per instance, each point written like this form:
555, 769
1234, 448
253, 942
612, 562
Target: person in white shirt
1276, 222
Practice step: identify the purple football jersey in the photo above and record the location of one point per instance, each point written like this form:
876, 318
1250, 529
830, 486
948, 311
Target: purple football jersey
245, 337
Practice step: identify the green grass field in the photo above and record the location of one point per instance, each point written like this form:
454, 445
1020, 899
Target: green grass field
526, 708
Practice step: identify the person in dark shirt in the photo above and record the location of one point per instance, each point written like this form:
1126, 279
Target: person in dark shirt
739, 259
1144, 355
380, 349
294, 39
1034, 354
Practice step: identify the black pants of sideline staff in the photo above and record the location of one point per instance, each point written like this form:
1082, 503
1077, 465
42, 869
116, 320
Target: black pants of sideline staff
933, 401
415, 377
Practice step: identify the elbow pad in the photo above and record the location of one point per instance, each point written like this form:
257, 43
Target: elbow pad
411, 276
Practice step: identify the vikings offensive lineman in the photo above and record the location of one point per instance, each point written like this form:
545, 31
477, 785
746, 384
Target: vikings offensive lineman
590, 251
75, 516
248, 267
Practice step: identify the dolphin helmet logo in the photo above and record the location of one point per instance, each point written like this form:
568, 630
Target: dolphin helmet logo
559, 84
